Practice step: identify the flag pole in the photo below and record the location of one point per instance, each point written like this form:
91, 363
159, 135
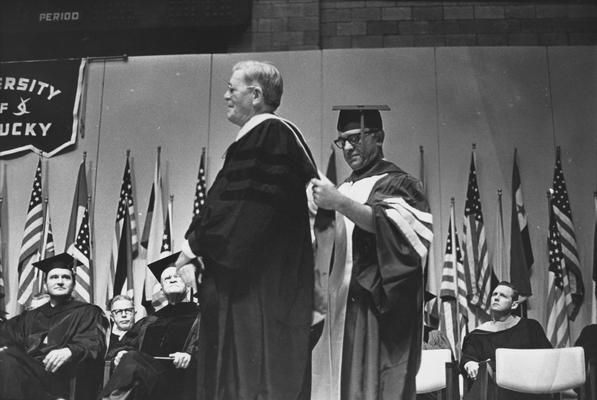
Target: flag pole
500, 233
549, 218
43, 243
422, 168
44, 209
455, 269
91, 247
203, 157
170, 212
549, 198
3, 283
594, 307
159, 168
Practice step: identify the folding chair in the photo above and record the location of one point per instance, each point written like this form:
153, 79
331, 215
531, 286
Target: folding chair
437, 374
539, 370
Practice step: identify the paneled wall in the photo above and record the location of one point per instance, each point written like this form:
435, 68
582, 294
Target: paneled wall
444, 99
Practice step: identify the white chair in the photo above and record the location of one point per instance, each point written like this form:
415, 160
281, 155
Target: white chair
540, 370
433, 373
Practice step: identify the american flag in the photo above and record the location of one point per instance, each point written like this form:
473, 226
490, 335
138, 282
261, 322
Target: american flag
563, 215
521, 253
454, 311
476, 258
32, 240
559, 298
81, 251
125, 244
200, 189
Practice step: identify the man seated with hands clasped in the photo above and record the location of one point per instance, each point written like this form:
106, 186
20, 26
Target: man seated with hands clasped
43, 348
503, 330
157, 353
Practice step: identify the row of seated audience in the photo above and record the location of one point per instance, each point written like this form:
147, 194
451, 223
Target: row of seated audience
156, 354
42, 348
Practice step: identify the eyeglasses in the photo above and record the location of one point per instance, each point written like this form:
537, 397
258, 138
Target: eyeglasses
232, 88
353, 139
124, 311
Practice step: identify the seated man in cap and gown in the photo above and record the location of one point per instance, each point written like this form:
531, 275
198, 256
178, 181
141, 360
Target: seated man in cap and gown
155, 360
371, 342
42, 348
503, 330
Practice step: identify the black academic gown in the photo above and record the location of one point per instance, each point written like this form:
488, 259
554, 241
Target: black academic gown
257, 296
383, 328
371, 342
480, 345
31, 335
173, 328
588, 341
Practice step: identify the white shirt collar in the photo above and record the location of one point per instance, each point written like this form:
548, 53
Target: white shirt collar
252, 123
118, 332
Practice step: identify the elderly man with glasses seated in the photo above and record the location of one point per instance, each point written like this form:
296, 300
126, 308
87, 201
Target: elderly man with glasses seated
122, 314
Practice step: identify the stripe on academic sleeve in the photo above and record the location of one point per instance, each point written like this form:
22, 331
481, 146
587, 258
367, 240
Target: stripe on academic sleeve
417, 234
421, 215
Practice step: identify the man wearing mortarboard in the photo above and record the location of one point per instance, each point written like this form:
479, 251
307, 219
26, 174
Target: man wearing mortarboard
42, 348
371, 344
155, 359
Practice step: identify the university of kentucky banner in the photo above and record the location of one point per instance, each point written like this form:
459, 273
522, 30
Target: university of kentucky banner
39, 105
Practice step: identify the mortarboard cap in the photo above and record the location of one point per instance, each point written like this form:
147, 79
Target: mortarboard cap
63, 260
158, 266
360, 117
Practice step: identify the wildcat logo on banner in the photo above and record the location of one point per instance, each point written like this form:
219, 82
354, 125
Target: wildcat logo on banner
39, 105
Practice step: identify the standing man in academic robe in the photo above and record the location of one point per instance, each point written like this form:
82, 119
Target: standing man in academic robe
42, 348
371, 344
253, 234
